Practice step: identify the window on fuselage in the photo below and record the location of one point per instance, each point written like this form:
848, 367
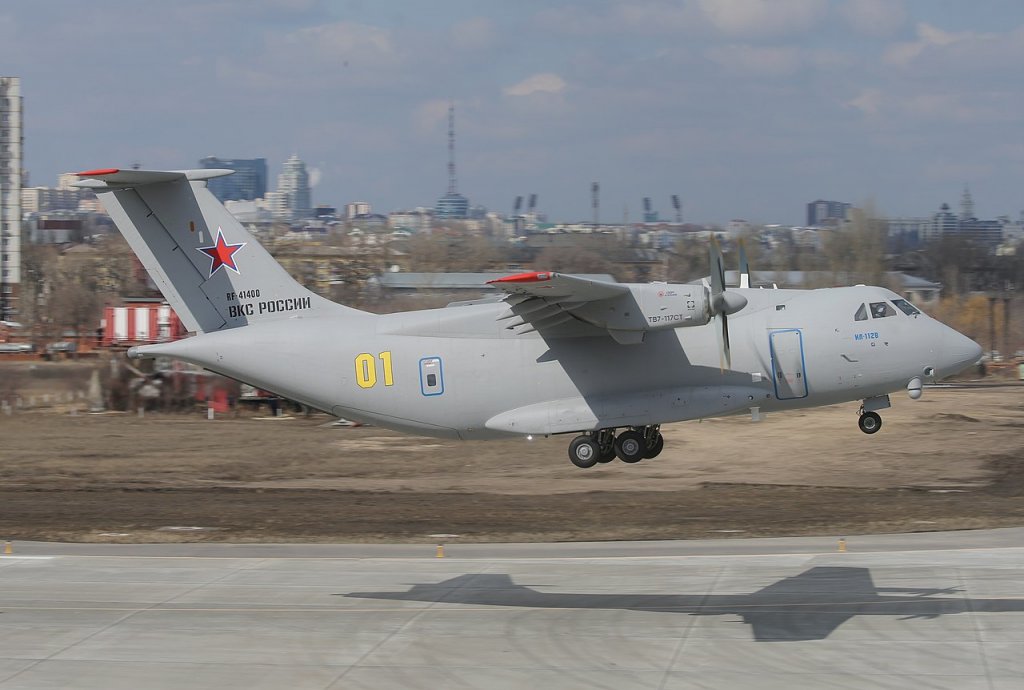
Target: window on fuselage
862, 314
880, 310
906, 307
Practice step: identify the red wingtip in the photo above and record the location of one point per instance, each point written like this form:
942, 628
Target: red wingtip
532, 277
100, 171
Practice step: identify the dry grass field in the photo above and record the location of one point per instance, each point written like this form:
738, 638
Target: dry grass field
954, 459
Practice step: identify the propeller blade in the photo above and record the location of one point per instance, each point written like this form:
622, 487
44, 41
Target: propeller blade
724, 351
725, 340
722, 303
744, 268
717, 268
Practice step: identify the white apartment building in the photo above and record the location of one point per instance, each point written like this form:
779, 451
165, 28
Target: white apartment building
11, 142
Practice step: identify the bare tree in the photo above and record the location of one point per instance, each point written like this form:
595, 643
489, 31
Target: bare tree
573, 260
451, 250
688, 261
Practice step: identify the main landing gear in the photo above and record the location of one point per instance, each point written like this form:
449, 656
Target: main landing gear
633, 445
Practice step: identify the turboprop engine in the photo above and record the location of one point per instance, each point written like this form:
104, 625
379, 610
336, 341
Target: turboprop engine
651, 307
662, 306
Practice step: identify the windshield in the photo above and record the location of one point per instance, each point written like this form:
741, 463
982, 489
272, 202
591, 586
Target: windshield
880, 310
906, 307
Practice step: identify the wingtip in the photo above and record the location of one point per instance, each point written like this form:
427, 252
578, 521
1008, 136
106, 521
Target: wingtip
531, 277
99, 172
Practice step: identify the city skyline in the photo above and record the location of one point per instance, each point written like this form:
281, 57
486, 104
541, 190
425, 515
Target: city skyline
744, 108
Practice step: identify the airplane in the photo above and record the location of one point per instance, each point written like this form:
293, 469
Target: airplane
808, 606
553, 354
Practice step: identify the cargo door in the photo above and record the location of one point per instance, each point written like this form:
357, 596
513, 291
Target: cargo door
788, 373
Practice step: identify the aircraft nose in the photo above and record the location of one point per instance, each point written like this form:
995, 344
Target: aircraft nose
958, 352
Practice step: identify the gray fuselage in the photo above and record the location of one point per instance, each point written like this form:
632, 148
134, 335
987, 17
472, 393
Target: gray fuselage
460, 372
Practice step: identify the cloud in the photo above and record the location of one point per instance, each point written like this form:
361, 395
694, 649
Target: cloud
545, 82
8, 27
874, 17
955, 56
637, 17
473, 34
763, 17
868, 101
956, 171
756, 60
656, 17
428, 115
337, 54
928, 36
914, 108
338, 42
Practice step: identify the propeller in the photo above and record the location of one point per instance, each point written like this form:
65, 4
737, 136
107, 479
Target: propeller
723, 302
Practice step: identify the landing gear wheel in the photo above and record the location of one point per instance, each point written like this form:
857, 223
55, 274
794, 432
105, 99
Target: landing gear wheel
584, 452
869, 422
630, 446
655, 447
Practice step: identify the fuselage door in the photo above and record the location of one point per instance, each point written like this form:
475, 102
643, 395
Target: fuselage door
788, 375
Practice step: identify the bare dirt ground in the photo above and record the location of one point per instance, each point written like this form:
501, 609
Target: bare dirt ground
954, 459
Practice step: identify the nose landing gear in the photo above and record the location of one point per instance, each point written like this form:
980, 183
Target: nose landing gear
869, 421
631, 446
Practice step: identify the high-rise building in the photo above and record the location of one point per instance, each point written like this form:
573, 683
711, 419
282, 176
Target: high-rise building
293, 183
249, 181
966, 206
823, 212
10, 195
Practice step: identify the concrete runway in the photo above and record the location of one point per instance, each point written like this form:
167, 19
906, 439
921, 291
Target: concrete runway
942, 610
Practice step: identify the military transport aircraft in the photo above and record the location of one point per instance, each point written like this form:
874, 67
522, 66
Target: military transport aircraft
556, 354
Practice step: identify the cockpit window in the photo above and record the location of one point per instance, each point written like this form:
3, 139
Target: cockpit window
862, 314
906, 307
879, 310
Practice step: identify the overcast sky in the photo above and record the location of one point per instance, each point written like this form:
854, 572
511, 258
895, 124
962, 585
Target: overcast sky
745, 108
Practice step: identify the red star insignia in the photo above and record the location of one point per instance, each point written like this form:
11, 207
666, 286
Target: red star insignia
222, 253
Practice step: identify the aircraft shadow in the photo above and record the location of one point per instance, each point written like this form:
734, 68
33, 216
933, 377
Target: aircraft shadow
808, 606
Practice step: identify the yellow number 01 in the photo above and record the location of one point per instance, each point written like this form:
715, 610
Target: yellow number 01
366, 369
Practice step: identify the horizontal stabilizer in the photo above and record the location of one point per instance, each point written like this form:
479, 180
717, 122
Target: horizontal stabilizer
105, 178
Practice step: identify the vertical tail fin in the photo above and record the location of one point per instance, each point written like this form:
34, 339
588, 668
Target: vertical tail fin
208, 267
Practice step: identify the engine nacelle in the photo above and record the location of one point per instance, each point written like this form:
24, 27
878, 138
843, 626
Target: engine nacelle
649, 307
673, 306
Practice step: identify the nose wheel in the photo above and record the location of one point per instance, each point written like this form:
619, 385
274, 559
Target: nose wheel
869, 422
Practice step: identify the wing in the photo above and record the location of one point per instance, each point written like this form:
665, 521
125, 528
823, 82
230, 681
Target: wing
626, 311
540, 301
